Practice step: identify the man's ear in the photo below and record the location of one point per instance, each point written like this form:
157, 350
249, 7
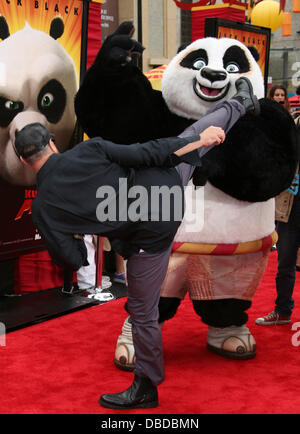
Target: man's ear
52, 146
24, 162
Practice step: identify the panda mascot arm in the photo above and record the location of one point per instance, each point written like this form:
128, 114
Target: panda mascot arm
116, 101
258, 157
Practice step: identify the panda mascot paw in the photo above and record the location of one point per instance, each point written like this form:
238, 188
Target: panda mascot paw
119, 48
110, 101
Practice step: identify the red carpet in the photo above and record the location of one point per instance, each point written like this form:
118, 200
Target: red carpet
63, 365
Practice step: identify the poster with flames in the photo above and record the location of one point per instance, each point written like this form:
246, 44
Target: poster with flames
41, 47
251, 36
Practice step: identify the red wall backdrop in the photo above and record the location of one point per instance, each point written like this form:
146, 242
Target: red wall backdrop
199, 14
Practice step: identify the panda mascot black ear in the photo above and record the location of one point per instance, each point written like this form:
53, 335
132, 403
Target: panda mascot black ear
4, 29
57, 28
254, 52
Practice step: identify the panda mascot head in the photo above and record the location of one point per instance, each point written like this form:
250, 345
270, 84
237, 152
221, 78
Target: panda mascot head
204, 74
38, 82
252, 166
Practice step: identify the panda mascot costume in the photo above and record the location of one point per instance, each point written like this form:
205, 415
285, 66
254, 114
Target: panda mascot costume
221, 261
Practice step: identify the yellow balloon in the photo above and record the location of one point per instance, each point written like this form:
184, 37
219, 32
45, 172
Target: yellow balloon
266, 14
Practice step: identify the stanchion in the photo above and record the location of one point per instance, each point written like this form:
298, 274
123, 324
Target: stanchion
99, 263
101, 294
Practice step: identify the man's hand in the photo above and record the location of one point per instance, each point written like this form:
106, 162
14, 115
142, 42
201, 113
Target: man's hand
212, 135
207, 138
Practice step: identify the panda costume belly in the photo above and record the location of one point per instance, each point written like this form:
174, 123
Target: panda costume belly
238, 180
221, 249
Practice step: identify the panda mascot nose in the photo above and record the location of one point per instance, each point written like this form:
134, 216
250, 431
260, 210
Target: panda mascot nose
213, 75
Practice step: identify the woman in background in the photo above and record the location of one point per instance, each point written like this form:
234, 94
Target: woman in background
278, 93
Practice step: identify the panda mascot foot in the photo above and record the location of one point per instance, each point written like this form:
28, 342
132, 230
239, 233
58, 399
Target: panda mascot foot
232, 342
124, 355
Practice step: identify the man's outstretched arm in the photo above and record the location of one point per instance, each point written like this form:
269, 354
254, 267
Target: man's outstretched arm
156, 153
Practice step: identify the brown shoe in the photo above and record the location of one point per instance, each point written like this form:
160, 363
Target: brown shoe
273, 318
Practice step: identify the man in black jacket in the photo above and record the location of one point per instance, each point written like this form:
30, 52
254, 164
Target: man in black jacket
72, 188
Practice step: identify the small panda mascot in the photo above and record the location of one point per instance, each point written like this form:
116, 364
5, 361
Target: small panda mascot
220, 263
38, 82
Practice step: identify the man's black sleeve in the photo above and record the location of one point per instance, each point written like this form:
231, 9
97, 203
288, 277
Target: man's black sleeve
155, 153
64, 249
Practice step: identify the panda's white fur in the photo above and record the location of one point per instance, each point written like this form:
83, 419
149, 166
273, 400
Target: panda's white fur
222, 219
29, 59
178, 81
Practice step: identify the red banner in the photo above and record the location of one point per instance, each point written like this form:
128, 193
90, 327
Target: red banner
191, 5
199, 16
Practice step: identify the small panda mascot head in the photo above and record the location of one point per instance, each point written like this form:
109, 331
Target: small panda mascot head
38, 82
204, 74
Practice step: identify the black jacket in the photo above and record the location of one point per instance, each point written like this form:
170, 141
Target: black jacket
74, 186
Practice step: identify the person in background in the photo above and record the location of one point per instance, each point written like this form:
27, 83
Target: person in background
119, 275
287, 217
278, 93
86, 275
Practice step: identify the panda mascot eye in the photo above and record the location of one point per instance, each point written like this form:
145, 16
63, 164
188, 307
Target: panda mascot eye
199, 63
232, 68
8, 110
47, 100
12, 105
52, 100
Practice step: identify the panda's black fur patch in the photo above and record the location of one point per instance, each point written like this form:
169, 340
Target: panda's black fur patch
57, 28
254, 52
52, 109
8, 110
231, 166
189, 60
235, 54
4, 29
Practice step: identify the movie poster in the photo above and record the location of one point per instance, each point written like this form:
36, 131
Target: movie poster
40, 62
